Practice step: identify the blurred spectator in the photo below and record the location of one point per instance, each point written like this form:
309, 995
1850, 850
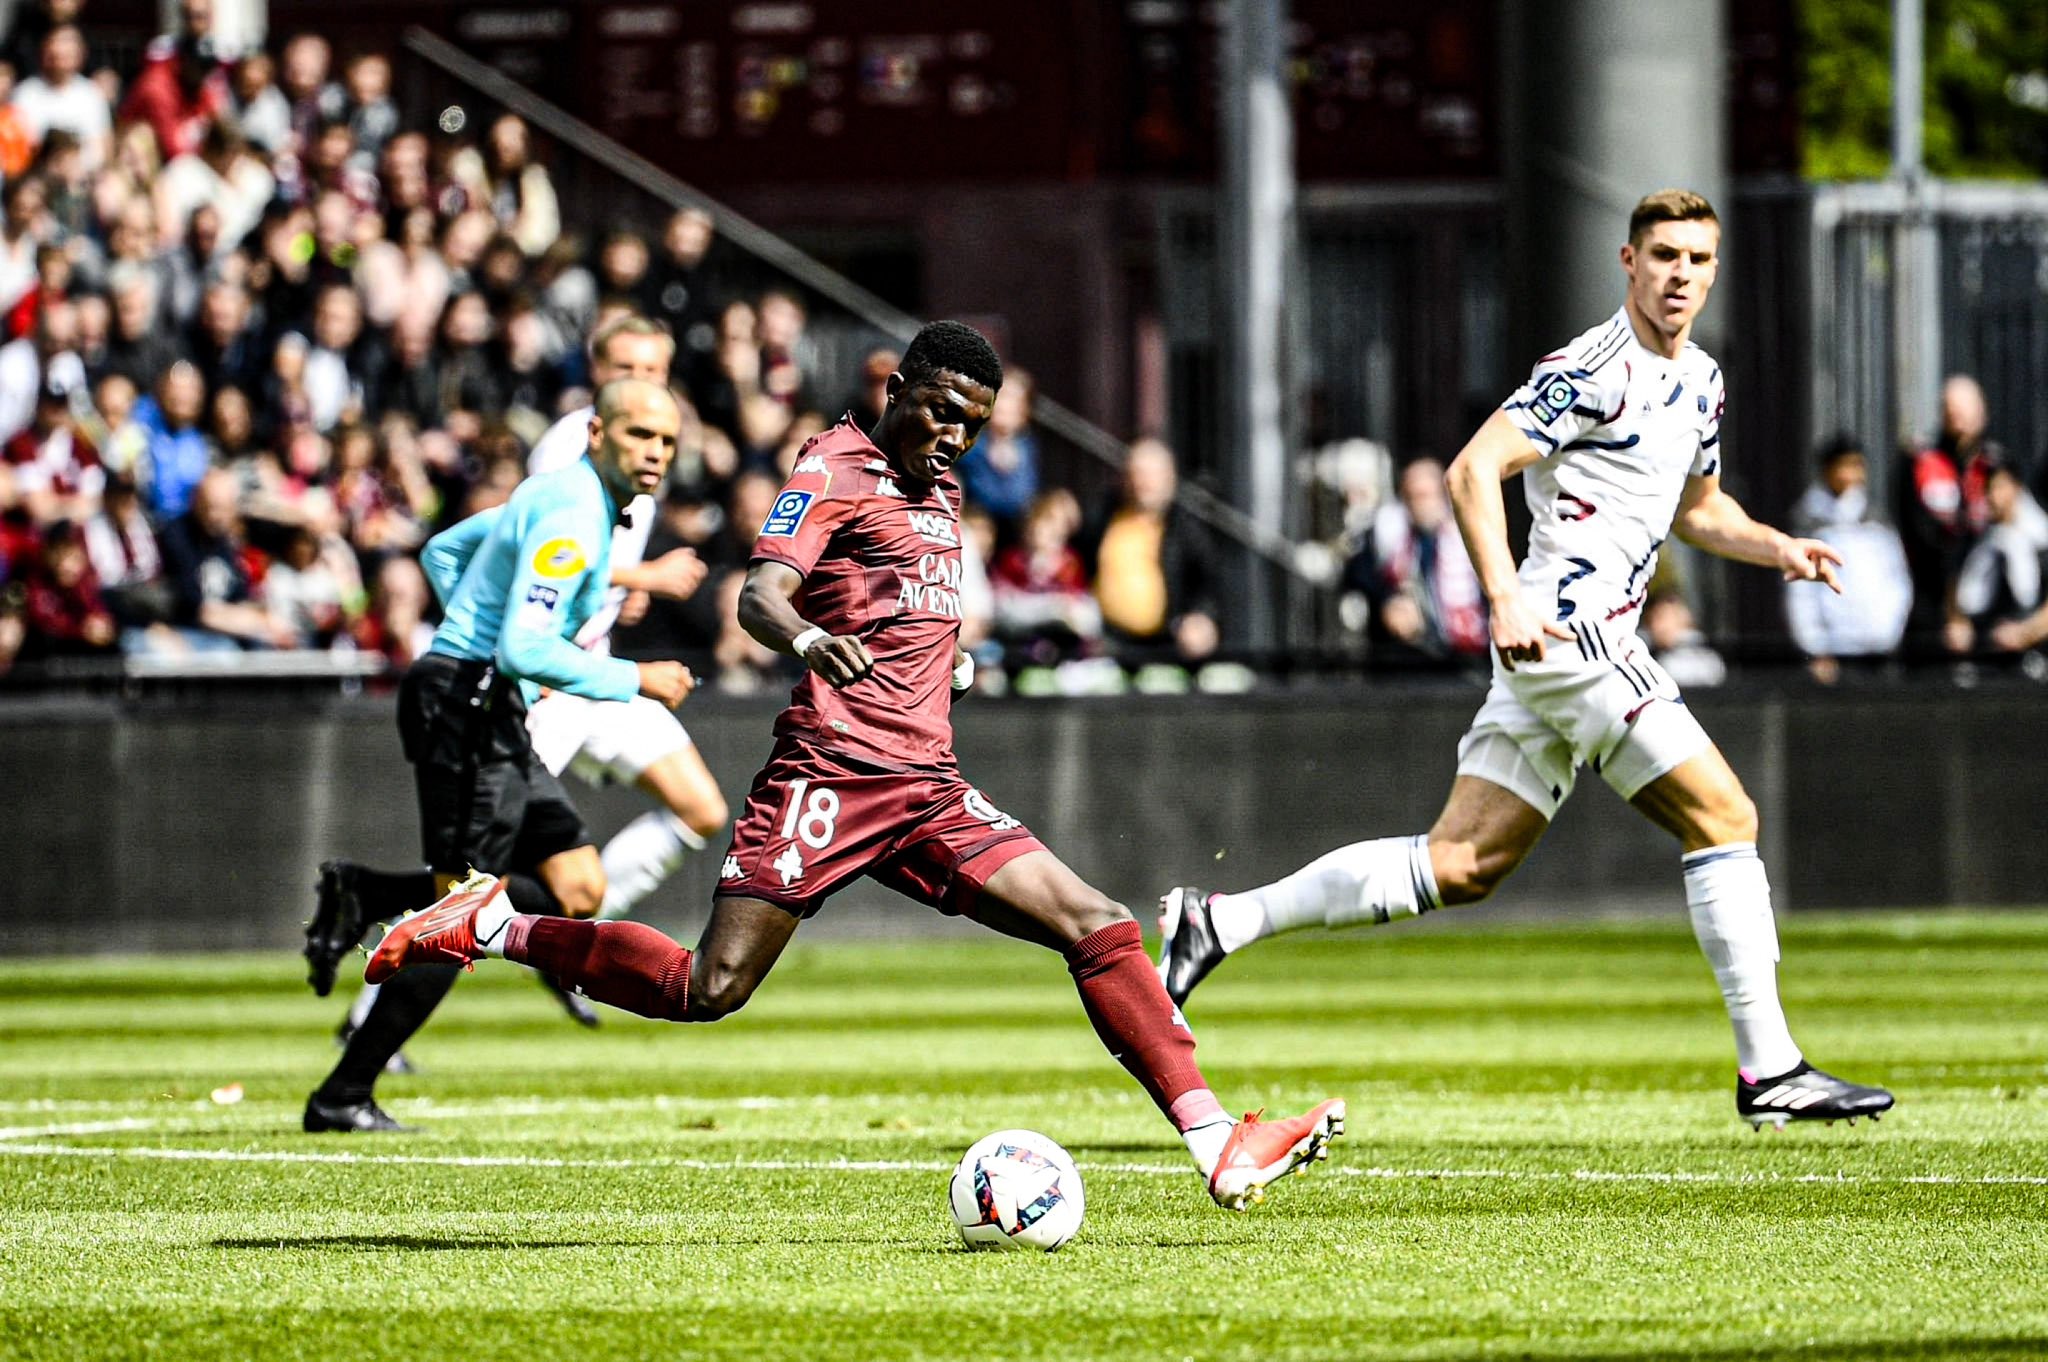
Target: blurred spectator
33, 363
210, 565
1000, 473
870, 396
1678, 643
372, 117
57, 472
63, 610
126, 560
121, 440
182, 89
261, 109
1419, 585
396, 623
1044, 613
303, 592
21, 211
311, 98
1869, 618
470, 386
1942, 510
179, 453
511, 185
32, 22
223, 342
339, 353
68, 188
684, 284
140, 347
2001, 598
744, 666
53, 284
17, 143
382, 501
1150, 563
61, 96
406, 280
622, 266
779, 326
223, 174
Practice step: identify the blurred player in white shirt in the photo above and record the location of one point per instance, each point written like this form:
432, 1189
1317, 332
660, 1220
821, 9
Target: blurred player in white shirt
1618, 439
635, 742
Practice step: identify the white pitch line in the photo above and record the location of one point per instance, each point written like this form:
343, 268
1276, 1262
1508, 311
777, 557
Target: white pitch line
922, 1166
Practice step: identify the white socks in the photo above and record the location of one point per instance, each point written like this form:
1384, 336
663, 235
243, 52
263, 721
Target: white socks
1364, 882
1730, 899
1206, 1142
640, 856
491, 921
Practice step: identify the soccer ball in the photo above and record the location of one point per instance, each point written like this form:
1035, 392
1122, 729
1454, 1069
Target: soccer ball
1016, 1189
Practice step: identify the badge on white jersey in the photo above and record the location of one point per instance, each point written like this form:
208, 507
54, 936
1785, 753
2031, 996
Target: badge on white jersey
1553, 399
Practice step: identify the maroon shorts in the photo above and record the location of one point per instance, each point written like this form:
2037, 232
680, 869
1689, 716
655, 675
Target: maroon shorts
815, 821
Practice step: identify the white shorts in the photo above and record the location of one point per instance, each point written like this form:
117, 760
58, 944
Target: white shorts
602, 741
1599, 699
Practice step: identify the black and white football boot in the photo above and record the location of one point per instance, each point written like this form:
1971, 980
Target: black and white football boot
1188, 948
341, 915
1805, 1094
349, 1118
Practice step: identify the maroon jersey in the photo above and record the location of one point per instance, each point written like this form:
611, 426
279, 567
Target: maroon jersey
880, 558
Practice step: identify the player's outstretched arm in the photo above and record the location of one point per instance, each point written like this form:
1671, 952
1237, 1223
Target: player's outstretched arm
676, 575
767, 610
1497, 451
1708, 518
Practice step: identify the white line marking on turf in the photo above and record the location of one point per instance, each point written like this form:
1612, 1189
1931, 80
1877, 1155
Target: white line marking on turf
923, 1166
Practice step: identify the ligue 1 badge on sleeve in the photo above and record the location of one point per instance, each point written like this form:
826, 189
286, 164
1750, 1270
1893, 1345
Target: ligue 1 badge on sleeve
1554, 397
788, 513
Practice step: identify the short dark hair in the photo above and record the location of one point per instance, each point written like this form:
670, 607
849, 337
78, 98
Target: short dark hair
1669, 205
951, 347
1840, 445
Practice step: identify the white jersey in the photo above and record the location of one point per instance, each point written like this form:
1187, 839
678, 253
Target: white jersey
566, 441
1621, 429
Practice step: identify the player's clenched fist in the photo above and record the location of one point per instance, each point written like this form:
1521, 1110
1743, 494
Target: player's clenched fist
841, 661
1519, 632
668, 682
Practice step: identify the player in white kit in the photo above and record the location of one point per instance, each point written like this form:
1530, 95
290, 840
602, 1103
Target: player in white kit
629, 742
635, 741
1617, 437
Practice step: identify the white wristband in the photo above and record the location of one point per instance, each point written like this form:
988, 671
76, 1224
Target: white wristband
807, 640
963, 674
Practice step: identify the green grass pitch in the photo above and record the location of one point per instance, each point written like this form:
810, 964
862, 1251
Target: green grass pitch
1543, 1161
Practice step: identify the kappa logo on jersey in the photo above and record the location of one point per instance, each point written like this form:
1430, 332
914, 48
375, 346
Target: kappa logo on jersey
559, 558
814, 464
788, 513
934, 527
886, 488
1554, 397
546, 597
978, 805
731, 869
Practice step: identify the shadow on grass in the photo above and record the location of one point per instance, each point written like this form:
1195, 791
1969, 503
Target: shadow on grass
347, 1243
1868, 1350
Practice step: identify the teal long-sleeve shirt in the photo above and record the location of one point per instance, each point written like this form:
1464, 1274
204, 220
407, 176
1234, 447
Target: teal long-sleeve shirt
516, 582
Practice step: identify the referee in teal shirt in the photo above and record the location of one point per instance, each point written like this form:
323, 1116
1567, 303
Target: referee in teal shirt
516, 582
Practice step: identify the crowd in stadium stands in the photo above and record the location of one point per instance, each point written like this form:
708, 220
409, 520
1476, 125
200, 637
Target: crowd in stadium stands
259, 339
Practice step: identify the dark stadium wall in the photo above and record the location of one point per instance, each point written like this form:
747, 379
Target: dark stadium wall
142, 830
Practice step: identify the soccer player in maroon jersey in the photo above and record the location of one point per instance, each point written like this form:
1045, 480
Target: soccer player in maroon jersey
857, 572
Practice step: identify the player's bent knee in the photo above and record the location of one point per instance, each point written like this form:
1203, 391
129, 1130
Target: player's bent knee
1734, 821
1468, 873
716, 992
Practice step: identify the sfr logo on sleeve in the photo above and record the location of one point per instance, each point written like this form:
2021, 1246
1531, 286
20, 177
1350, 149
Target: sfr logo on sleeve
788, 513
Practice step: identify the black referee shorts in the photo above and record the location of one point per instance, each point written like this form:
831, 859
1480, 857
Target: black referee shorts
485, 799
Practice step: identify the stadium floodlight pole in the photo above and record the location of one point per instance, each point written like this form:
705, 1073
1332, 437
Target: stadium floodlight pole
812, 274
1916, 300
1257, 217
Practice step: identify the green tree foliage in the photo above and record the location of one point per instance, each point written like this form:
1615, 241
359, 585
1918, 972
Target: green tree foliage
1986, 85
